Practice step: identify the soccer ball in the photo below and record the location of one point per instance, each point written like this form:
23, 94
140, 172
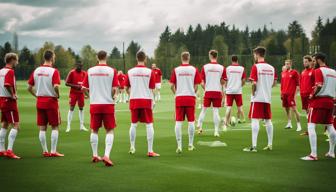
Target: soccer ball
233, 121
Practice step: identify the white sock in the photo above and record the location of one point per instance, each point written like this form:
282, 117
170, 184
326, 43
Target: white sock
11, 138
132, 134
3, 133
81, 118
43, 140
216, 118
227, 115
255, 131
70, 114
269, 131
332, 139
159, 96
54, 140
178, 134
289, 123
312, 139
191, 133
201, 117
94, 144
298, 125
108, 143
150, 136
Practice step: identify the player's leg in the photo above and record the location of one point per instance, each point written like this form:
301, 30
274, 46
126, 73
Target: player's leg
297, 117
228, 103
178, 134
81, 103
255, 132
312, 142
332, 141
42, 122
12, 134
190, 113
132, 130
3, 133
54, 120
70, 115
216, 120
241, 115
289, 121
206, 104
95, 124
148, 119
109, 124
158, 92
269, 131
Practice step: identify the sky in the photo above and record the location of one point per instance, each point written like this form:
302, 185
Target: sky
107, 23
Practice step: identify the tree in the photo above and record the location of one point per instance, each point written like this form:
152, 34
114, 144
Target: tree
115, 59
88, 56
131, 52
219, 44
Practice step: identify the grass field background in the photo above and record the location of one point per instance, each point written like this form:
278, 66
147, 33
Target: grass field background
206, 169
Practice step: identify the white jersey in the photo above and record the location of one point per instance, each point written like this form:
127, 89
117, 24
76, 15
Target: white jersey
3, 73
185, 80
140, 80
234, 74
264, 76
44, 78
328, 82
212, 73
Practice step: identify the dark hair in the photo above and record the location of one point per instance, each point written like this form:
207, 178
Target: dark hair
185, 56
234, 58
141, 56
48, 55
308, 57
261, 51
101, 55
320, 56
10, 56
213, 53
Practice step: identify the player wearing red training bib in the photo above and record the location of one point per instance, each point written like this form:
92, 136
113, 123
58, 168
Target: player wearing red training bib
158, 79
321, 106
101, 83
306, 81
263, 78
8, 106
46, 81
184, 80
140, 83
290, 81
122, 95
75, 80
212, 76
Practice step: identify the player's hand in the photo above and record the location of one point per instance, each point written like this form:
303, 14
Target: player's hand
14, 97
86, 96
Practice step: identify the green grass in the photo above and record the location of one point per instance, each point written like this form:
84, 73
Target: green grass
206, 169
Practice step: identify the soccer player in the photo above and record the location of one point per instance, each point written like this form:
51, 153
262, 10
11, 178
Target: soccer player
212, 76
122, 96
8, 105
290, 81
140, 84
184, 81
234, 76
101, 83
75, 80
263, 78
158, 79
321, 106
46, 81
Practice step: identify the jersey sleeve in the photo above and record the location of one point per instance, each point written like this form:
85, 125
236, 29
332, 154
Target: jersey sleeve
127, 82
224, 75
152, 80
244, 74
9, 79
86, 81
197, 79
56, 78
173, 78
254, 73
297, 78
203, 75
160, 73
275, 75
318, 76
69, 78
31, 79
115, 82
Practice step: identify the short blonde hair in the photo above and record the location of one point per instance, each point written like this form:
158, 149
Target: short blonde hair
185, 56
288, 61
10, 56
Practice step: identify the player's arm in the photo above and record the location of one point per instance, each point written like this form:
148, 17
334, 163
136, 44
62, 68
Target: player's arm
56, 88
254, 87
173, 88
31, 90
10, 89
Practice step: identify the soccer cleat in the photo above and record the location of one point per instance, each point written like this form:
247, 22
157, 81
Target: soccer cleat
288, 127
178, 150
132, 151
329, 155
241, 121
153, 154
309, 158
56, 154
82, 128
268, 148
10, 154
199, 131
107, 161
68, 129
2, 153
46, 154
298, 129
304, 133
250, 149
96, 159
191, 148
216, 134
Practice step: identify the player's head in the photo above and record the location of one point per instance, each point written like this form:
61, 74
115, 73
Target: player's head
79, 65
319, 59
49, 56
185, 57
120, 72
288, 64
102, 56
284, 68
11, 59
307, 61
141, 57
259, 53
153, 66
234, 59
213, 54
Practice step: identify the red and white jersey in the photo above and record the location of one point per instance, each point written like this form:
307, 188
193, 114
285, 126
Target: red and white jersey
141, 81
263, 74
185, 77
306, 82
158, 75
100, 80
76, 78
290, 79
7, 78
212, 74
326, 77
234, 74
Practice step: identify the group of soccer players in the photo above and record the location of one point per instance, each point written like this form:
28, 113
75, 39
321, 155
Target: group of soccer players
140, 86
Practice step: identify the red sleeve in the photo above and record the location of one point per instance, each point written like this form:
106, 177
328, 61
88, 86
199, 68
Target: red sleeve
197, 79
69, 77
244, 74
31, 79
203, 74
254, 73
318, 76
275, 75
173, 77
152, 80
224, 75
56, 79
127, 83
160, 73
297, 79
9, 79
115, 82
86, 81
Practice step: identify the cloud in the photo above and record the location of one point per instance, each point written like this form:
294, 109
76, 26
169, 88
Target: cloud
108, 23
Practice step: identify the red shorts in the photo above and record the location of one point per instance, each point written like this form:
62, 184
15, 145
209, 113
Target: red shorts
216, 102
98, 119
236, 97
260, 110
51, 116
76, 98
305, 102
288, 101
10, 116
320, 116
185, 111
144, 115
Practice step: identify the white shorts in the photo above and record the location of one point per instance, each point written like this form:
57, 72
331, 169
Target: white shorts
157, 85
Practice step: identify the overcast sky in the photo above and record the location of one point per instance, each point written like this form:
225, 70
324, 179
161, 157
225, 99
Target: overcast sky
107, 23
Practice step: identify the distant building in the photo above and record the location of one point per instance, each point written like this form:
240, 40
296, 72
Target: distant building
15, 41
